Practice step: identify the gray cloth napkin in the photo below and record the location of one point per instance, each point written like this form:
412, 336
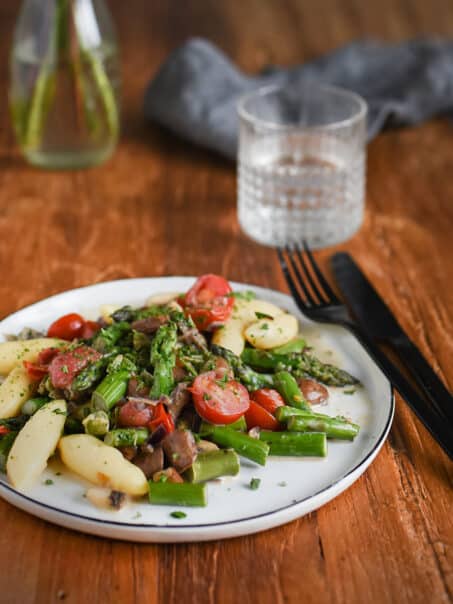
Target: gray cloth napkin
196, 90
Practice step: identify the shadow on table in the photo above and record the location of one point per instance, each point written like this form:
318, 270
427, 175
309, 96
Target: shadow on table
163, 141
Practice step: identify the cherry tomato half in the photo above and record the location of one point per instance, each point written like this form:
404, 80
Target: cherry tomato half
35, 371
89, 328
218, 401
208, 301
161, 417
67, 327
268, 398
134, 414
257, 416
66, 365
4, 430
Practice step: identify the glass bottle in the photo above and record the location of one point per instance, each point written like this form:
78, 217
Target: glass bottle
64, 90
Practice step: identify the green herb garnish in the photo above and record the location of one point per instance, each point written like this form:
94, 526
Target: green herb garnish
245, 295
178, 514
255, 483
262, 315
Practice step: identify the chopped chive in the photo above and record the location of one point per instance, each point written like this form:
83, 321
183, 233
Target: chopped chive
255, 483
178, 514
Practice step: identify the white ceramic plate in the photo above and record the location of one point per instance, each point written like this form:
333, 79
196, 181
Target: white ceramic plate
290, 487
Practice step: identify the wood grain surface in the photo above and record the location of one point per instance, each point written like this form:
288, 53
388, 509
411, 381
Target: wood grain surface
163, 207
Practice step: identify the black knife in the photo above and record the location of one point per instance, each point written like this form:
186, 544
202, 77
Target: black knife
377, 321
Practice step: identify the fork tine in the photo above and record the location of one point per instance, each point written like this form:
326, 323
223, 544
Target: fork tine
316, 290
328, 291
300, 279
289, 280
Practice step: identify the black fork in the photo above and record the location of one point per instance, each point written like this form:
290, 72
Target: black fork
316, 299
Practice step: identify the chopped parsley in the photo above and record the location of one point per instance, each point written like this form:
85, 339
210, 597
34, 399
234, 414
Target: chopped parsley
59, 412
178, 514
264, 326
64, 369
255, 483
163, 478
222, 382
48, 482
350, 391
262, 315
281, 484
206, 396
245, 295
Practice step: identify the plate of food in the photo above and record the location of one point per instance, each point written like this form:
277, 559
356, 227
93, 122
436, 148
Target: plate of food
180, 409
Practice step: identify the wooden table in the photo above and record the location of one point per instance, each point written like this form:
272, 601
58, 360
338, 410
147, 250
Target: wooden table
162, 207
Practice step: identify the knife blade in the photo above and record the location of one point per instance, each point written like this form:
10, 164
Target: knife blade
378, 322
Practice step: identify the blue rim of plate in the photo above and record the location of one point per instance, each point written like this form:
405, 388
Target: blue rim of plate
379, 442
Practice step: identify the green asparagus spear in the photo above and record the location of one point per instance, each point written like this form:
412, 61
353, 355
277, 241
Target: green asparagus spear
223, 462
333, 427
163, 359
97, 423
290, 391
240, 425
89, 376
308, 365
246, 446
122, 362
285, 413
126, 437
6, 442
112, 388
32, 405
251, 379
107, 337
296, 345
173, 493
299, 364
295, 443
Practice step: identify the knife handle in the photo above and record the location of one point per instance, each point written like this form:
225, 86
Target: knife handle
424, 376
429, 417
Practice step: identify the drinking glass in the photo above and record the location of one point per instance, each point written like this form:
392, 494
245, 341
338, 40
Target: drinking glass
301, 164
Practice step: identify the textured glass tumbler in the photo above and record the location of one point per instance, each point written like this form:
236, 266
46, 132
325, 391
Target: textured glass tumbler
301, 165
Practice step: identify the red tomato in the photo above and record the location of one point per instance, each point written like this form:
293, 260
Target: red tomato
4, 430
223, 368
161, 417
218, 401
257, 416
46, 355
66, 365
67, 327
208, 302
206, 288
35, 371
134, 414
268, 398
89, 329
